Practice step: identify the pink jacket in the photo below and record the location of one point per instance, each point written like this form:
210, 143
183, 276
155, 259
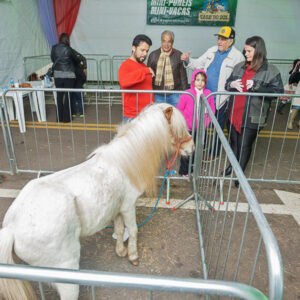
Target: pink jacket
186, 103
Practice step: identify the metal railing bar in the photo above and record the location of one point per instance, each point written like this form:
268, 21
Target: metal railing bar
97, 278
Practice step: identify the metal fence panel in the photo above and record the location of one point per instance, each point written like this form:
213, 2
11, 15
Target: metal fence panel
43, 62
6, 154
284, 66
275, 154
33, 63
237, 248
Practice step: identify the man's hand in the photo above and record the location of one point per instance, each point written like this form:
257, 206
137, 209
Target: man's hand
152, 72
249, 84
85, 71
237, 84
185, 56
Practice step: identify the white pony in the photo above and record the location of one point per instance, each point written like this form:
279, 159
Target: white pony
45, 222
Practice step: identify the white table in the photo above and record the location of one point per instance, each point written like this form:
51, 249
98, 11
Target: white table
37, 103
17, 98
37, 100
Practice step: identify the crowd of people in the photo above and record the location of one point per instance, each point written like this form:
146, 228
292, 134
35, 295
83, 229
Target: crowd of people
221, 68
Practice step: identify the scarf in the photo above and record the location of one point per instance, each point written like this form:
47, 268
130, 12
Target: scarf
198, 95
236, 114
164, 66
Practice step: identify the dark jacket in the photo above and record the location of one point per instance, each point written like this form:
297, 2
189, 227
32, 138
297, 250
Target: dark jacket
79, 71
266, 80
64, 58
178, 70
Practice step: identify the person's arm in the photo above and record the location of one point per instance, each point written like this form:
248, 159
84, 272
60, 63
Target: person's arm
229, 86
52, 55
274, 85
129, 77
150, 62
183, 77
76, 56
84, 62
196, 63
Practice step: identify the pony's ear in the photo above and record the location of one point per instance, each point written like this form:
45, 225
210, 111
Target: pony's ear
168, 113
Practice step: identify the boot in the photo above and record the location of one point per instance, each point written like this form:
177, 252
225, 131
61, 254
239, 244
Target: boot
280, 108
292, 118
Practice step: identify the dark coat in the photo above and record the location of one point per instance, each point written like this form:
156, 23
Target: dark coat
178, 70
64, 58
266, 80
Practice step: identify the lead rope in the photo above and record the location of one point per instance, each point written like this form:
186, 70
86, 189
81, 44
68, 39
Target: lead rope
159, 196
167, 173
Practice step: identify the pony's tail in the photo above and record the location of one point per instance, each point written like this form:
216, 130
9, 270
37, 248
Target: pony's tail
12, 289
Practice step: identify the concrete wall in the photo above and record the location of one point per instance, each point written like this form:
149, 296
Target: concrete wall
108, 27
105, 26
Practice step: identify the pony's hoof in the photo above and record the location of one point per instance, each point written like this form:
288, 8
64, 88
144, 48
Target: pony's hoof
122, 253
135, 262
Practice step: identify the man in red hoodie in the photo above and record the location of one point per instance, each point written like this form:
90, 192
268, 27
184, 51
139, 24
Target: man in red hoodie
135, 75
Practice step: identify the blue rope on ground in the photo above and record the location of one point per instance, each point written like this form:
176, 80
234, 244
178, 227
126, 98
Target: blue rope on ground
168, 172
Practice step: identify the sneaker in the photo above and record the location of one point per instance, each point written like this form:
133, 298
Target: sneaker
74, 116
81, 116
185, 175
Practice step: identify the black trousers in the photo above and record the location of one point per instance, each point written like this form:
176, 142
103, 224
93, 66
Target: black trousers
241, 144
221, 116
64, 98
184, 160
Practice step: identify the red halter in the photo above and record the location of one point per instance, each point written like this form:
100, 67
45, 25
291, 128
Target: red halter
179, 143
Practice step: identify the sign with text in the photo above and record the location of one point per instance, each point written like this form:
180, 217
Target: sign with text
191, 12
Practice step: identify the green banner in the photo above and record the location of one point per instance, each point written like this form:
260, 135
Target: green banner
191, 12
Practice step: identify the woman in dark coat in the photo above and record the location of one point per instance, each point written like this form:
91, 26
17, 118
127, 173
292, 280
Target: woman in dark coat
248, 114
64, 60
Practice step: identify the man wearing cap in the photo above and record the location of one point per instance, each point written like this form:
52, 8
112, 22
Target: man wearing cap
218, 62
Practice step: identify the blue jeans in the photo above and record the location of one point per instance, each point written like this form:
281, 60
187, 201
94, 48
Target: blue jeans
167, 98
76, 97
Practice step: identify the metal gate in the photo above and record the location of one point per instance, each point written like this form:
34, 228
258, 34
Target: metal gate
239, 254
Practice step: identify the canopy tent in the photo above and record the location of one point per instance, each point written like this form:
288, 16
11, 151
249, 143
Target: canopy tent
108, 27
30, 28
21, 35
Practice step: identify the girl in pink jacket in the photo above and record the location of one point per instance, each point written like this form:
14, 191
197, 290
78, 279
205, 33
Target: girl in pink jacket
186, 106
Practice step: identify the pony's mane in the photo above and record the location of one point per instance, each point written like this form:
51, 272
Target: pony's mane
140, 145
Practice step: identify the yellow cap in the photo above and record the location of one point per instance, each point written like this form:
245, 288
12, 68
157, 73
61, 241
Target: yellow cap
226, 32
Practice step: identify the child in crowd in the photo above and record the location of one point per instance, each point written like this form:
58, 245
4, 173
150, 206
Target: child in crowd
186, 106
81, 77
